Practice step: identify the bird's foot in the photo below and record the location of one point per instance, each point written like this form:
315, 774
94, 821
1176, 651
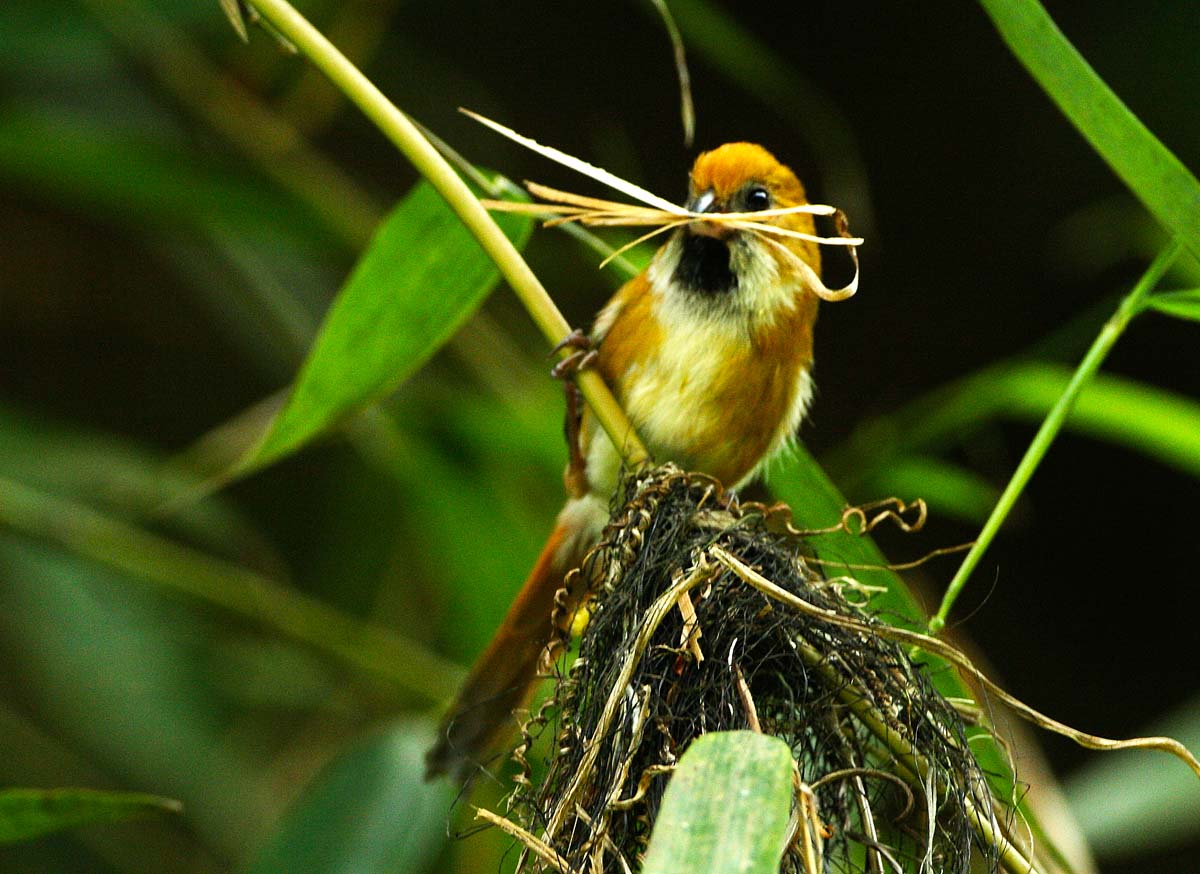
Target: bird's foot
583, 356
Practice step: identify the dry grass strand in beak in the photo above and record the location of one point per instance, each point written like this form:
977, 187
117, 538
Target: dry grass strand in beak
811, 279
565, 207
600, 175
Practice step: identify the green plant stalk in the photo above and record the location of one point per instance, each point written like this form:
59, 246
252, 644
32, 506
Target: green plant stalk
377, 651
425, 158
1129, 307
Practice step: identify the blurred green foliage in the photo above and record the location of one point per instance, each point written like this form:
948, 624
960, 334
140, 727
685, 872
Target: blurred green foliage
181, 209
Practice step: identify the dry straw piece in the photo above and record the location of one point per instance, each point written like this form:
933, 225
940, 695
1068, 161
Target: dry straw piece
659, 213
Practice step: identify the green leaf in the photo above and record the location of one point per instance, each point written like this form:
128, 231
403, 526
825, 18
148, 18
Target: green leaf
816, 504
949, 490
1153, 421
726, 808
1164, 185
145, 176
1139, 802
1150, 420
419, 280
369, 811
1180, 304
26, 814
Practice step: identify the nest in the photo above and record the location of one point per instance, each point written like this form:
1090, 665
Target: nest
698, 623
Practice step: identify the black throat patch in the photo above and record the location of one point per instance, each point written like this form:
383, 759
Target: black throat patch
704, 266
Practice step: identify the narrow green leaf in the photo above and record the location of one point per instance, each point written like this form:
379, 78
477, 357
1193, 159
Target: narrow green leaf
26, 814
726, 808
147, 557
419, 280
1150, 420
144, 176
817, 504
1180, 304
1164, 185
1139, 802
369, 811
949, 490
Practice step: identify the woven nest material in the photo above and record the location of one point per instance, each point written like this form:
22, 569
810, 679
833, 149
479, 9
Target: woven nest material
679, 643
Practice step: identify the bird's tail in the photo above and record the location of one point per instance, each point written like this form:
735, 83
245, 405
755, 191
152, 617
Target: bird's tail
504, 677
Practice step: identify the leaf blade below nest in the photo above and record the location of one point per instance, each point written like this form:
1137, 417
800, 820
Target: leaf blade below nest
726, 809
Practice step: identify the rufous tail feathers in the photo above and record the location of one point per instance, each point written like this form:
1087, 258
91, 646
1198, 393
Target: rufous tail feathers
504, 677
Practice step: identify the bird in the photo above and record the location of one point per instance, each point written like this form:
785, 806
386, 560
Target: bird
709, 350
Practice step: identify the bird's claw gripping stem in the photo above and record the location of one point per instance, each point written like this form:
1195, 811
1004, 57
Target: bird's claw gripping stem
583, 357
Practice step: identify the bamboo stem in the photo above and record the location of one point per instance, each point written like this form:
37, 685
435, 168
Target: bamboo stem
396, 126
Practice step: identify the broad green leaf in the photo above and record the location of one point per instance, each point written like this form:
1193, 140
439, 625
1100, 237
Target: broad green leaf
369, 812
26, 814
419, 280
1164, 185
1180, 304
726, 808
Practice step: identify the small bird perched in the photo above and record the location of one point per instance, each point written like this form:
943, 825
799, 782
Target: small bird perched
709, 351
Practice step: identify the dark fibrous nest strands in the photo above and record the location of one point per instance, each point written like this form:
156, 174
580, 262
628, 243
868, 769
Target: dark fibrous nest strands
679, 644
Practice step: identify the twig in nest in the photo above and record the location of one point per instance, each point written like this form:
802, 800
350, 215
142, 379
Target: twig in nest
805, 678
702, 571
689, 636
809, 828
664, 216
747, 701
894, 566
538, 847
856, 521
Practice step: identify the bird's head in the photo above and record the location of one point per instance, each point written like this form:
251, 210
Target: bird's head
736, 268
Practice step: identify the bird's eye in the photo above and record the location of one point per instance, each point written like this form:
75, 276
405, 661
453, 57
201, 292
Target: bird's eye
757, 198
